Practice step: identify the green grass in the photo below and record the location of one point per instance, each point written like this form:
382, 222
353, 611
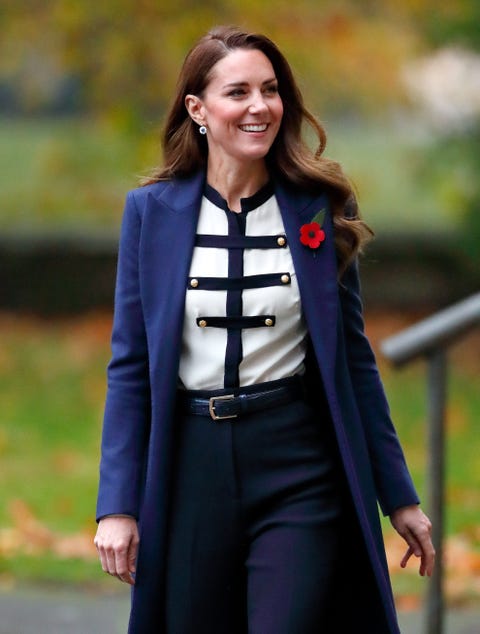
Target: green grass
52, 385
73, 174
46, 569
67, 174
406, 390
407, 395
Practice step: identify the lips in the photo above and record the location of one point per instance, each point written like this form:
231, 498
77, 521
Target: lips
254, 127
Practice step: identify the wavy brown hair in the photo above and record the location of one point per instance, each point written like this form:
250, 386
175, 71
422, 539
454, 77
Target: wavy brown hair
185, 151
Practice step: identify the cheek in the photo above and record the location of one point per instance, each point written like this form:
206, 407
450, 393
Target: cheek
278, 110
224, 115
225, 120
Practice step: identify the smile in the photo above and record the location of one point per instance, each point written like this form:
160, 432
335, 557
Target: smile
254, 127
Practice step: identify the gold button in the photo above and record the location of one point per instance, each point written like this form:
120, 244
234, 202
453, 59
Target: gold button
194, 283
202, 323
285, 279
281, 241
268, 322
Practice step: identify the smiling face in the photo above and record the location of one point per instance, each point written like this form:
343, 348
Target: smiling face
240, 107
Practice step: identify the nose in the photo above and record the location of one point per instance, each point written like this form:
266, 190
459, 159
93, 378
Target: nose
258, 104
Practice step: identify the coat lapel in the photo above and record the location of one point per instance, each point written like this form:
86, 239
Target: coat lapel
316, 272
168, 236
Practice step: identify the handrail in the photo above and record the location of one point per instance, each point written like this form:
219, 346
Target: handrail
429, 339
434, 332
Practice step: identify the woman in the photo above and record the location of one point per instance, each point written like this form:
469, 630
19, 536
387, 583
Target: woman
246, 429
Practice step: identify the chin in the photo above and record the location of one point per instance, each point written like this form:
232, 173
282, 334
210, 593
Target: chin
256, 154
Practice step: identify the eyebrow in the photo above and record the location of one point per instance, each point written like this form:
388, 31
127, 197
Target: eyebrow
245, 83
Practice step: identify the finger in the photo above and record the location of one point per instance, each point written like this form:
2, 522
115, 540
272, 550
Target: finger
101, 554
126, 578
406, 557
103, 561
121, 563
423, 566
110, 560
412, 542
428, 561
132, 554
424, 549
131, 557
427, 550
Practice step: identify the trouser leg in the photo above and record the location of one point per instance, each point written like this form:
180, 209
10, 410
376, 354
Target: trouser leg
205, 585
291, 573
292, 497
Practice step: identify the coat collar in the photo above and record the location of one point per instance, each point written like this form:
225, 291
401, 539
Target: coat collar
181, 193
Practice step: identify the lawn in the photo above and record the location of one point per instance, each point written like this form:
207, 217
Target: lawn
52, 389
67, 174
52, 384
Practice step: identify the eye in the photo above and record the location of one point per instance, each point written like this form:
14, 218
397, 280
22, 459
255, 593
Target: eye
272, 89
237, 92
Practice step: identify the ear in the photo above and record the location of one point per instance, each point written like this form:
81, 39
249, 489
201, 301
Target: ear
195, 108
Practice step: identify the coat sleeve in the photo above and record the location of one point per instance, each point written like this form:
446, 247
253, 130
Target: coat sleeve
127, 409
392, 479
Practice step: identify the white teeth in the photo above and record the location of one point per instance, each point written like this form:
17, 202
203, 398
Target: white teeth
254, 128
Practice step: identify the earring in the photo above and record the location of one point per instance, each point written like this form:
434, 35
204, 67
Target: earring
202, 129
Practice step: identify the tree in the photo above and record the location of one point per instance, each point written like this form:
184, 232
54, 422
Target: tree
124, 55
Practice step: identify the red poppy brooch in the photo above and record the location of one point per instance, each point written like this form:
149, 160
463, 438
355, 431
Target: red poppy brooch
311, 234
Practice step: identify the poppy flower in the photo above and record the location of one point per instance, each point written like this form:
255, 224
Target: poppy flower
312, 235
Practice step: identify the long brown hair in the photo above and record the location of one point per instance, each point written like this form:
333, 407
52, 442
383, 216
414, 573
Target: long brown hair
185, 151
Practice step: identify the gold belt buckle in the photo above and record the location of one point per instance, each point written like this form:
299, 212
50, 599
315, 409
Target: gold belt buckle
211, 406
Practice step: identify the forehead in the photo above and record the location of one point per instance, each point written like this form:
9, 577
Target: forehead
242, 65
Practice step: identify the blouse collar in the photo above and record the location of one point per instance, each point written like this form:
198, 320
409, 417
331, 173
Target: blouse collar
247, 204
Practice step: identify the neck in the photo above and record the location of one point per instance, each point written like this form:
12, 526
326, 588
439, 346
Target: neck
237, 181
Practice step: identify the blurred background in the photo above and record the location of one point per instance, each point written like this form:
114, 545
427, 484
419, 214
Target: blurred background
83, 88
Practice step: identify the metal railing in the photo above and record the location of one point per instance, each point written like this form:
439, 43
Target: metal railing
430, 339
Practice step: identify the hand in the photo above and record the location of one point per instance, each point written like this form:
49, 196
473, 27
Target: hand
117, 545
415, 528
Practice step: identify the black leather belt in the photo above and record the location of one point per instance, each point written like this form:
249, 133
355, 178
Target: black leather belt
226, 406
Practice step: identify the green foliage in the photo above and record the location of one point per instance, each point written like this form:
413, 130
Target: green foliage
453, 164
455, 22
124, 56
450, 171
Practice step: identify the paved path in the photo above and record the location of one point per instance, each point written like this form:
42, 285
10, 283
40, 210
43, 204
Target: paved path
37, 611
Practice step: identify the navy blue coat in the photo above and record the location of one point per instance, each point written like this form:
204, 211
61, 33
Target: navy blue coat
156, 245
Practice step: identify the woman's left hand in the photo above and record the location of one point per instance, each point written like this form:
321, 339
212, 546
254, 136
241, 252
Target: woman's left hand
415, 528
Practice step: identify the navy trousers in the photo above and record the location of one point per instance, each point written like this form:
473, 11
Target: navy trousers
255, 524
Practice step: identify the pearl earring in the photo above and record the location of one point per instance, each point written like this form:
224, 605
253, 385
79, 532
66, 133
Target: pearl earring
202, 129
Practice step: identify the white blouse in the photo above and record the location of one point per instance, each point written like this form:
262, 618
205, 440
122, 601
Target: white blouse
263, 335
